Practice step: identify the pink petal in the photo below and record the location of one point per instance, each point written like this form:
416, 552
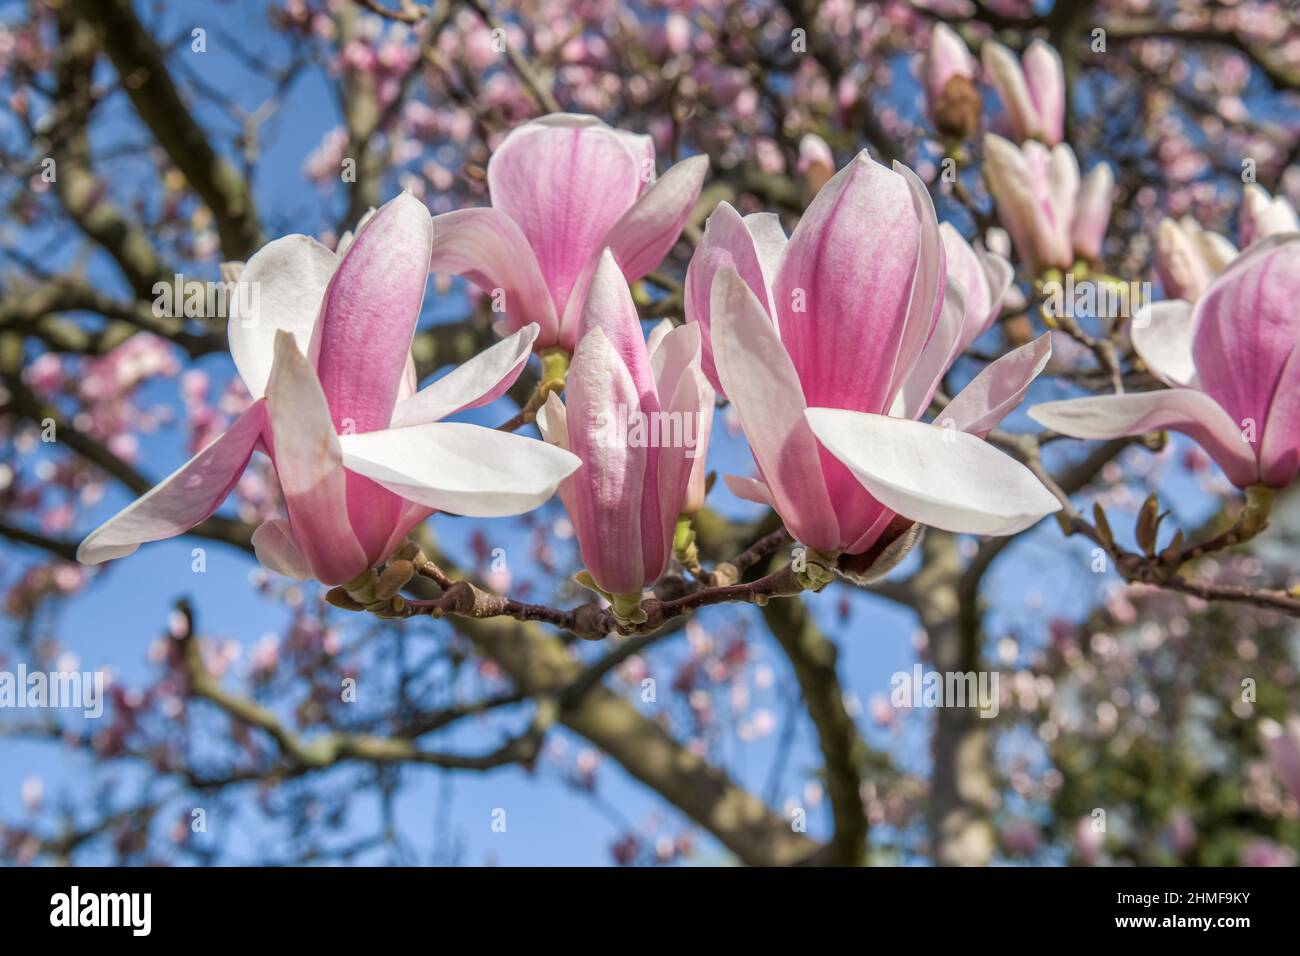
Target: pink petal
1045, 79
609, 307
765, 390
1093, 213
1003, 71
1010, 181
566, 180
998, 390
940, 352
605, 499
369, 315
1263, 215
947, 57
1247, 333
486, 247
750, 489
844, 287
184, 498
309, 465
1279, 455
647, 231
675, 359
276, 550
679, 452
965, 266
727, 241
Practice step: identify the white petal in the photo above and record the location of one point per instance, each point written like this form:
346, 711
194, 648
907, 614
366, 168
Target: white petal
1186, 410
938, 476
461, 469
1162, 336
656, 336
482, 379
770, 241
283, 285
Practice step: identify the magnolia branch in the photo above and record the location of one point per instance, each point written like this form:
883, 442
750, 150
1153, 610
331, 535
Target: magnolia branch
378, 592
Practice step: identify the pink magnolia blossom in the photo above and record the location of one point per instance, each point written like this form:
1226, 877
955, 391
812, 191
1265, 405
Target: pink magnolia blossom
1032, 90
633, 418
1188, 257
947, 74
1039, 201
947, 57
1092, 212
1232, 366
816, 162
1263, 215
361, 456
563, 188
831, 346
695, 488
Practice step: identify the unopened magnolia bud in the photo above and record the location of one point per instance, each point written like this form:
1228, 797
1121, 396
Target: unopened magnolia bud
897, 541
393, 579
1018, 330
407, 552
1148, 525
957, 110
340, 599
1103, 527
816, 162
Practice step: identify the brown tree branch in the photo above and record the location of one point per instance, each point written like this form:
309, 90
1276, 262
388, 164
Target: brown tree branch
142, 67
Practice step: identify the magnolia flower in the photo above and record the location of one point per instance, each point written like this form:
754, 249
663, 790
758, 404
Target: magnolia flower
816, 161
695, 486
1092, 212
831, 346
1263, 215
563, 188
1231, 363
948, 74
1032, 91
361, 456
1188, 257
1038, 199
633, 418
1282, 745
984, 278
